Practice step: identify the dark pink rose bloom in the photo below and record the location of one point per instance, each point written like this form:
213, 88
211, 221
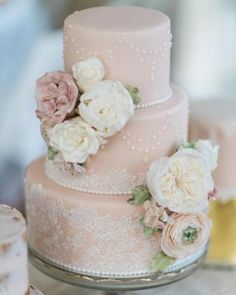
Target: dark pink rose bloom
56, 95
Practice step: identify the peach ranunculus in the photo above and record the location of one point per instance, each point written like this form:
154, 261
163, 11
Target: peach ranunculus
56, 95
186, 235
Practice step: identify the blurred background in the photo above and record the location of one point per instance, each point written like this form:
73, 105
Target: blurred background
203, 62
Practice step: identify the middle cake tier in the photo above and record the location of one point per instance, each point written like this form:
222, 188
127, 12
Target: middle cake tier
121, 164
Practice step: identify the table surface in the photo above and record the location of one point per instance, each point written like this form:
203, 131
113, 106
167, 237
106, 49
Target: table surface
204, 281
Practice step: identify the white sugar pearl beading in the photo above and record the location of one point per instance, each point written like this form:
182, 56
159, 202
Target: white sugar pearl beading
155, 102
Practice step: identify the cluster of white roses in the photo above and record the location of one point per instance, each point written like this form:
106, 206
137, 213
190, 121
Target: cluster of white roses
176, 199
103, 108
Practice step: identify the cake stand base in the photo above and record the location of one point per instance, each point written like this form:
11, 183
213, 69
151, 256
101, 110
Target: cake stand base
111, 286
114, 293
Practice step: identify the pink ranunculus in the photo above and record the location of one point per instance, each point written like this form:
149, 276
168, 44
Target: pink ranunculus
56, 95
186, 235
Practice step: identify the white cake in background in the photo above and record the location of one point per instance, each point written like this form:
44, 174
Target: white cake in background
216, 120
13, 254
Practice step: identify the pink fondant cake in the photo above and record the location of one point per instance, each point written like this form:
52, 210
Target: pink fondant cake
113, 123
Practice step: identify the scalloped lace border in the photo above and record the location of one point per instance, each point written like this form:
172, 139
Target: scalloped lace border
115, 182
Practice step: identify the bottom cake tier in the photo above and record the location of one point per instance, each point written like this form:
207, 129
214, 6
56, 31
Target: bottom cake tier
88, 233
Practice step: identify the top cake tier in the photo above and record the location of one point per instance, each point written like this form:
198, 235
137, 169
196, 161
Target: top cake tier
132, 42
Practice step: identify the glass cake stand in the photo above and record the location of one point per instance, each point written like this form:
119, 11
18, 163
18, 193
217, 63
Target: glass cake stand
111, 286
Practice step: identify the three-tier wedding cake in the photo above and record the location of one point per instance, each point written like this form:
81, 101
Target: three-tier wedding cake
121, 192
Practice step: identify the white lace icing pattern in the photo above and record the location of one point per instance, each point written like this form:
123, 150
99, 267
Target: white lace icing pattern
116, 182
84, 240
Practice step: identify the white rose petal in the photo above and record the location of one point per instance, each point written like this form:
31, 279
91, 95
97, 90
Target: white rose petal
75, 139
107, 106
180, 183
207, 151
88, 72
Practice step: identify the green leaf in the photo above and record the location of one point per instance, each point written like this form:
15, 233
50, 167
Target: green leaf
140, 195
161, 262
141, 220
190, 234
51, 153
189, 145
134, 93
149, 231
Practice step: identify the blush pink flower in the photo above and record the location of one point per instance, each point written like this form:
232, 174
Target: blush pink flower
155, 216
186, 235
56, 95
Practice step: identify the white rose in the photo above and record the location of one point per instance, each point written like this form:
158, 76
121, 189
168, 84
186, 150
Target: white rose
88, 72
107, 106
180, 183
204, 149
75, 139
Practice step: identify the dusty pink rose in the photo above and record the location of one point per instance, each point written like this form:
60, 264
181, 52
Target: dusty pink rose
155, 216
56, 95
187, 234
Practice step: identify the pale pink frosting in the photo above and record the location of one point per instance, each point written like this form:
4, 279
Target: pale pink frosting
172, 243
88, 233
56, 95
150, 134
132, 42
